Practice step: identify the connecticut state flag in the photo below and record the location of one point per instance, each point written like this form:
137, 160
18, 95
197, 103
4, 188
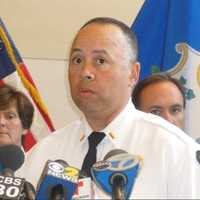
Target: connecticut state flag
14, 72
168, 33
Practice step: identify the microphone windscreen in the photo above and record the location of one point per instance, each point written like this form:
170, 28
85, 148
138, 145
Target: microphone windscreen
62, 162
11, 156
113, 153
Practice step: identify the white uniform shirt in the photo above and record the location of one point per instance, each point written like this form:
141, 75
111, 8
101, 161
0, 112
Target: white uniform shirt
170, 168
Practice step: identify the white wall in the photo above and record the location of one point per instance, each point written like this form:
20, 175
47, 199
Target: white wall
43, 31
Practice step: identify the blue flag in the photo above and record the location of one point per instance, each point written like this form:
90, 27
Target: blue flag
159, 26
168, 33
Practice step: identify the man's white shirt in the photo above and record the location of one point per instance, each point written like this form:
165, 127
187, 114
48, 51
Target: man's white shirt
170, 168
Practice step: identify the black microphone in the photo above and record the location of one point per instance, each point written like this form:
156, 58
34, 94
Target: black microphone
57, 192
28, 192
116, 174
117, 180
11, 159
11, 156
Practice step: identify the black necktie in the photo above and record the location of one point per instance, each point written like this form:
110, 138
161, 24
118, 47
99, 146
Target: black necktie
94, 139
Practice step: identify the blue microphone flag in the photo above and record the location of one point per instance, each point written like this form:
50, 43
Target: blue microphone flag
125, 165
55, 174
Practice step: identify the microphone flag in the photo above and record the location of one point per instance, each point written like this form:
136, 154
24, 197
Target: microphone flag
84, 189
56, 174
124, 165
11, 187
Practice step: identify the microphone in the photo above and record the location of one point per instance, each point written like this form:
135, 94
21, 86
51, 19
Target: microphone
116, 174
11, 159
11, 156
57, 182
28, 192
57, 191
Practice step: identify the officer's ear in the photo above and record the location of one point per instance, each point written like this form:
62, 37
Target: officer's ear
134, 74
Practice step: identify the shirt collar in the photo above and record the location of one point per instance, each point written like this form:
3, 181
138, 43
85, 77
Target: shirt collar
114, 130
85, 130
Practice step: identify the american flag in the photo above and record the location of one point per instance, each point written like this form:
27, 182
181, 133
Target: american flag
14, 72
